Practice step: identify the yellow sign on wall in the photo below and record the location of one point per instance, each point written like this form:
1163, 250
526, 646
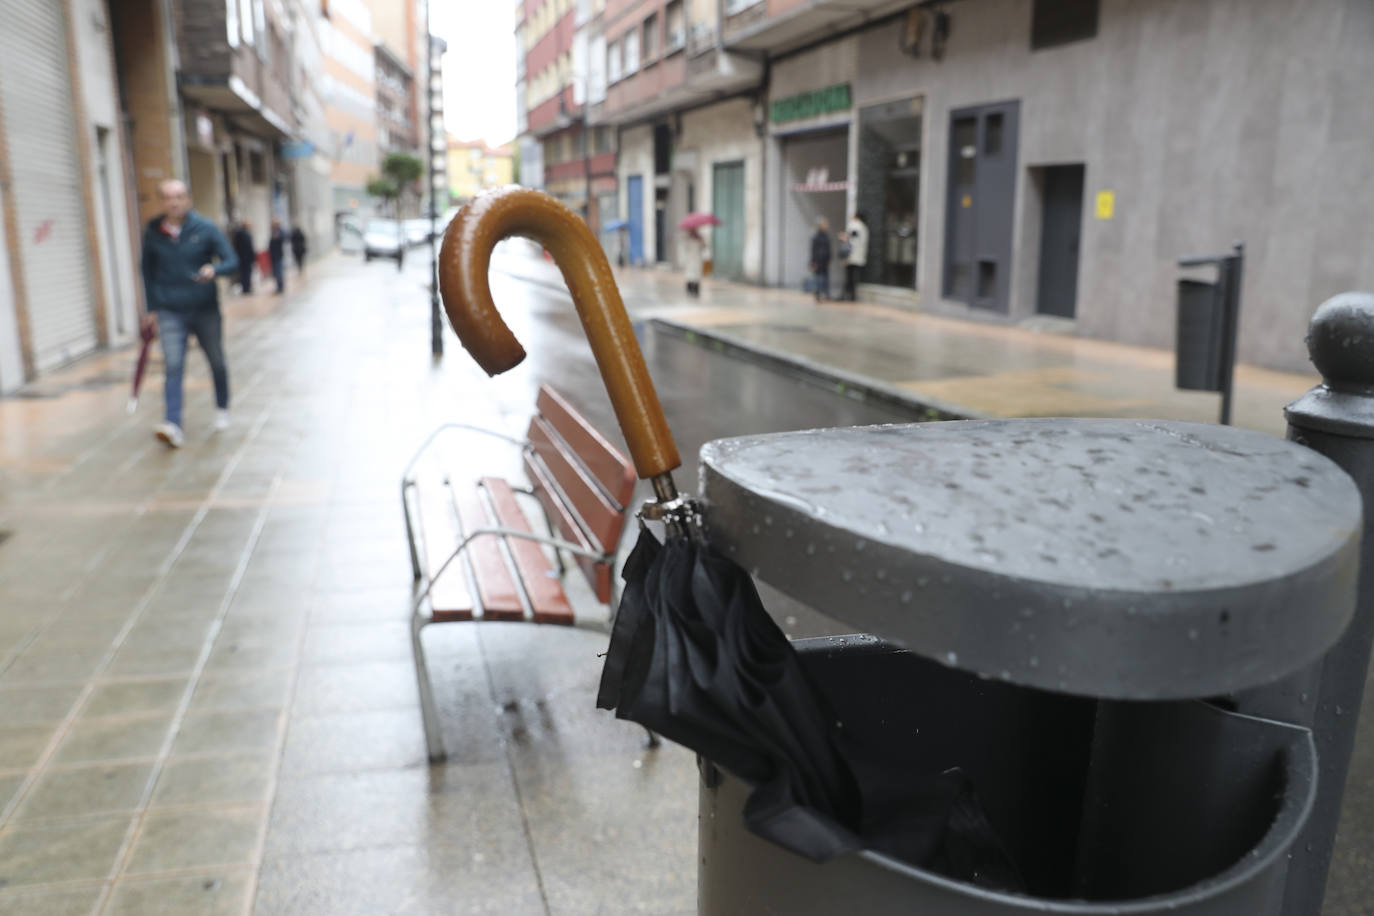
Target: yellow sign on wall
1106, 204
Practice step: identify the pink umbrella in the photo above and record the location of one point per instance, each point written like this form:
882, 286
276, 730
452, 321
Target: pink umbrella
148, 333
697, 220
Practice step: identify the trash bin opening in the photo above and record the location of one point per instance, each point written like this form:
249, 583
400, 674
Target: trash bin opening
1108, 801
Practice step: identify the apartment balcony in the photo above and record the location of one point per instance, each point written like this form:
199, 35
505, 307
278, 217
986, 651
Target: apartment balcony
677, 81
777, 26
247, 81
555, 113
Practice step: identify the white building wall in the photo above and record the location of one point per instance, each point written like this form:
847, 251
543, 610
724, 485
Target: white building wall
720, 134
11, 356
637, 158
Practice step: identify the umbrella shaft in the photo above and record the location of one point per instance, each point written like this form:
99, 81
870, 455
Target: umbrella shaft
664, 488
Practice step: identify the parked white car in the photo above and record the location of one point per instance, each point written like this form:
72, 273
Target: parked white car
417, 231
383, 239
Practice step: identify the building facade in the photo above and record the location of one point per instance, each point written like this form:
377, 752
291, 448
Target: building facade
474, 166
67, 210
351, 106
1016, 160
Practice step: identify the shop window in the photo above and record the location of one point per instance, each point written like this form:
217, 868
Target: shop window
889, 189
613, 61
987, 279
257, 168
1061, 22
651, 36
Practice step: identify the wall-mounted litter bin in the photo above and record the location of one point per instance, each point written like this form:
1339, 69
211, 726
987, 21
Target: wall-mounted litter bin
1197, 366
1069, 595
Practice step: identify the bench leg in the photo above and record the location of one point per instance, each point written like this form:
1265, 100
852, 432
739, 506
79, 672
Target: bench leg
654, 739
410, 530
434, 738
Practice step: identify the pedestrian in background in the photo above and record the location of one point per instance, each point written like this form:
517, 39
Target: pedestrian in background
243, 248
691, 261
856, 236
820, 258
276, 252
298, 248
179, 251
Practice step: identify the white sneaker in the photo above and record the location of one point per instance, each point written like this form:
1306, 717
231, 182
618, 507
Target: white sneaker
170, 433
221, 419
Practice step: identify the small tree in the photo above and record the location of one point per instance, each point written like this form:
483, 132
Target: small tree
384, 189
403, 170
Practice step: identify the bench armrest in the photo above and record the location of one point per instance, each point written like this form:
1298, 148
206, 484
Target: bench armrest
406, 481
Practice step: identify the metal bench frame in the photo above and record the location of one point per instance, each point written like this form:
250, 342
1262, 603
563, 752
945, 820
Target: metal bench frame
421, 609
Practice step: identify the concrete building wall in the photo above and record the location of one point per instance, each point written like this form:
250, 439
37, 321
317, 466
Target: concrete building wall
350, 104
720, 134
1209, 121
11, 352
106, 155
147, 72
637, 158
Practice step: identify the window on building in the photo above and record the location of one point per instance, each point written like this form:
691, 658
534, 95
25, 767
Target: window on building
631, 43
675, 27
613, 61
1060, 22
231, 20
601, 139
257, 168
650, 43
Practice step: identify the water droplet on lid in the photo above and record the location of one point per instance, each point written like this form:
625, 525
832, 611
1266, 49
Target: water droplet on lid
756, 529
859, 545
1034, 661
810, 548
1027, 612
1192, 633
790, 621
846, 574
768, 519
881, 574
906, 597
952, 658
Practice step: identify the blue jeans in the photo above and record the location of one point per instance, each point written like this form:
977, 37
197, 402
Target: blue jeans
174, 328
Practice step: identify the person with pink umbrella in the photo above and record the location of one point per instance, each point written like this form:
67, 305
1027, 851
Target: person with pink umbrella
695, 249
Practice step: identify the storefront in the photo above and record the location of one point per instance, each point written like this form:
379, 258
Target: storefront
809, 158
717, 166
889, 190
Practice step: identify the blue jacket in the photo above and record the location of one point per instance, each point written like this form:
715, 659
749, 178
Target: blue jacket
170, 265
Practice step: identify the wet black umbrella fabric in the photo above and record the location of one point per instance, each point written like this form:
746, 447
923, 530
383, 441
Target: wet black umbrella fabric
696, 657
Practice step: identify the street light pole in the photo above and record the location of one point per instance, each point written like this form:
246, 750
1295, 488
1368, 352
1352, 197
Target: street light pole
436, 325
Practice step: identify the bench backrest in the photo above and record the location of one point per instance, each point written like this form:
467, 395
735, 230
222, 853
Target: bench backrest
584, 481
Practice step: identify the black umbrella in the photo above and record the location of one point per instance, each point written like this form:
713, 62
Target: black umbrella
693, 654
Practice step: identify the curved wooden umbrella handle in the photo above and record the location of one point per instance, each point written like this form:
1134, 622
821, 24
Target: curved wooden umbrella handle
463, 263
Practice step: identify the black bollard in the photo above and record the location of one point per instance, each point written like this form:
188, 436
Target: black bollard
1336, 419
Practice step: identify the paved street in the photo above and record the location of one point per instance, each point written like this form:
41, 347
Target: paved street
207, 702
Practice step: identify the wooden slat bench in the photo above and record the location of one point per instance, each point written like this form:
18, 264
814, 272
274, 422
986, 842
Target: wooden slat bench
473, 551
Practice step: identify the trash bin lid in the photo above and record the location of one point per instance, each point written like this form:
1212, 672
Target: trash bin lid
1126, 559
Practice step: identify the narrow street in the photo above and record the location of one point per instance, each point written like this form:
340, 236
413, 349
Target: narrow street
208, 701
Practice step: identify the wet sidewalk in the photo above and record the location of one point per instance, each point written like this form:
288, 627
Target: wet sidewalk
207, 699
957, 368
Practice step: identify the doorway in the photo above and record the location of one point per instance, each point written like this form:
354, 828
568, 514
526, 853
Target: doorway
814, 176
1060, 233
727, 203
634, 215
981, 197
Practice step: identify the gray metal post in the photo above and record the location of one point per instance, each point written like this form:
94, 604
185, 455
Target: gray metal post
1336, 419
1232, 270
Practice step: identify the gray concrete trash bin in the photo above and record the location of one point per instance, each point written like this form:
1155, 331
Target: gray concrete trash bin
1067, 593
1110, 808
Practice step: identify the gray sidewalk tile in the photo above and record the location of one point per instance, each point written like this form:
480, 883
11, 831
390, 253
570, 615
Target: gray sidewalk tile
36, 705
256, 688
113, 739
362, 642
133, 698
376, 740
153, 661
400, 880
468, 807
355, 688
210, 893
65, 902
102, 789
21, 747
227, 732
202, 838
48, 853
38, 666
229, 779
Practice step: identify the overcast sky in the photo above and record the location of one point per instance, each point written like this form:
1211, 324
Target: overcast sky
479, 69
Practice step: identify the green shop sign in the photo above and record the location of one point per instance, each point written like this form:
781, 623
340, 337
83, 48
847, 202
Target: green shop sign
810, 104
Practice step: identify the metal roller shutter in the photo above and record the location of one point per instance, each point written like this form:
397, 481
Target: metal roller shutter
41, 132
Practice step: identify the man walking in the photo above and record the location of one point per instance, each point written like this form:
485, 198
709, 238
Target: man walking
243, 247
276, 252
298, 248
179, 248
